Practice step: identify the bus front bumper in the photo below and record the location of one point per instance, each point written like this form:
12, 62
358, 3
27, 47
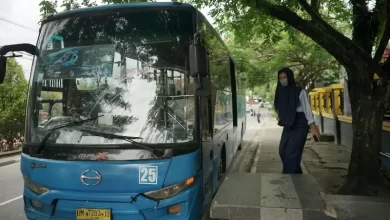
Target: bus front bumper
189, 201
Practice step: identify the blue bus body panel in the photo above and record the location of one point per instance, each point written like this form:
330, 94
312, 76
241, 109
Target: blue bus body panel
182, 167
120, 183
63, 175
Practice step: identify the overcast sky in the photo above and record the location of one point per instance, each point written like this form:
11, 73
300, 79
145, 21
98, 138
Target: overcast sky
26, 14
19, 24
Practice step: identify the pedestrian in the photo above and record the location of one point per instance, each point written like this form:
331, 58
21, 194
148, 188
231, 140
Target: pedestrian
258, 117
295, 116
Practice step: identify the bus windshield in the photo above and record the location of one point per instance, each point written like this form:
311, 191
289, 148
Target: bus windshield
129, 68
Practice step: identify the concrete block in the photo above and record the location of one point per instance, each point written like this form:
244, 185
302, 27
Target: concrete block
315, 215
277, 191
308, 191
280, 214
239, 213
327, 138
249, 192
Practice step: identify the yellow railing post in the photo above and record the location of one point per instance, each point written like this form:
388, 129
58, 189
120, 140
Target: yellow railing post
314, 101
337, 90
323, 97
327, 100
320, 100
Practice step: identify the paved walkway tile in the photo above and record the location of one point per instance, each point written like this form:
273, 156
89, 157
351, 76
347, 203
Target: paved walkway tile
278, 191
269, 167
308, 191
261, 195
247, 193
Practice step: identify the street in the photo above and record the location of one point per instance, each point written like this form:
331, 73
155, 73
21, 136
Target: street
11, 203
11, 182
79, 78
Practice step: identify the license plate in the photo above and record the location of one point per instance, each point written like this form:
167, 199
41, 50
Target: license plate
93, 214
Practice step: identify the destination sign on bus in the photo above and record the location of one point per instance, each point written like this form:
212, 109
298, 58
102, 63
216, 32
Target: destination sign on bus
79, 62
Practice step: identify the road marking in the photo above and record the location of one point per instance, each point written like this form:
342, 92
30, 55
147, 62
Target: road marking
11, 200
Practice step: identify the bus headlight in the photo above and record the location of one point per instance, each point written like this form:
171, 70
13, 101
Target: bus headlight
38, 189
170, 191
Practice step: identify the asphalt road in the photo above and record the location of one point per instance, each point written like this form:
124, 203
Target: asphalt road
11, 181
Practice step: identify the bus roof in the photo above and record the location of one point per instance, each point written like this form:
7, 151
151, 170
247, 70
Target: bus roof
114, 7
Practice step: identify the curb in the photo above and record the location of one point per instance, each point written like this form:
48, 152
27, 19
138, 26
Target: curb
238, 161
10, 153
258, 151
329, 209
8, 162
304, 169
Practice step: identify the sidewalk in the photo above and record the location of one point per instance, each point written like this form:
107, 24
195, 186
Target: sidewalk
267, 158
328, 163
266, 194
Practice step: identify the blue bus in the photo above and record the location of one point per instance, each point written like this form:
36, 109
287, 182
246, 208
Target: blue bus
152, 137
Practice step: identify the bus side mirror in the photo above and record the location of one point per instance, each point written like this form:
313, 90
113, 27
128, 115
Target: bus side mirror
29, 48
3, 67
198, 60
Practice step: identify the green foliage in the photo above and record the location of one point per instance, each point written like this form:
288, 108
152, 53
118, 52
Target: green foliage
13, 94
47, 8
249, 18
266, 91
260, 61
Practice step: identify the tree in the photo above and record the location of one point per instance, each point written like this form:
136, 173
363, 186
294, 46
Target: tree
370, 29
262, 60
13, 97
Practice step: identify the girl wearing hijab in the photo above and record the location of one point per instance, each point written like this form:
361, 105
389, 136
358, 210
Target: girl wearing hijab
295, 116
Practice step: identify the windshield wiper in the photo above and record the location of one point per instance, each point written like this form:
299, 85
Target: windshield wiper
73, 123
126, 138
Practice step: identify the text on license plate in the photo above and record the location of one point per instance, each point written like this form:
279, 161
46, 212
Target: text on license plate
93, 214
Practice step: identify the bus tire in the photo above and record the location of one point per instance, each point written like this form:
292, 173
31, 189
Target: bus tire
222, 163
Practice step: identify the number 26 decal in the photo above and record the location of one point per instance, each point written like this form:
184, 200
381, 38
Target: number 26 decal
148, 174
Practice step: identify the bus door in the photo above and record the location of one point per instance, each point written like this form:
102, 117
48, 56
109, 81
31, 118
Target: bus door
208, 153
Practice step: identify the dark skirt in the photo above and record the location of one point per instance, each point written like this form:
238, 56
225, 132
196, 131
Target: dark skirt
292, 143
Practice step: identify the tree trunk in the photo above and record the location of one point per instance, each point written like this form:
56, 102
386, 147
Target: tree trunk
364, 171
